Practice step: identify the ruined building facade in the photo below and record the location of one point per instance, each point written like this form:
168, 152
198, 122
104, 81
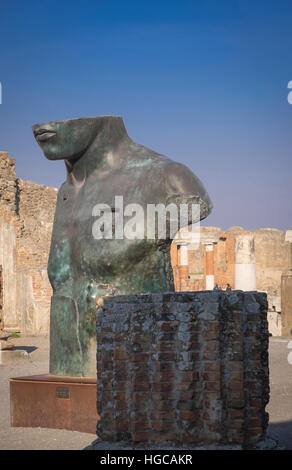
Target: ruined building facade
26, 220
245, 260
236, 258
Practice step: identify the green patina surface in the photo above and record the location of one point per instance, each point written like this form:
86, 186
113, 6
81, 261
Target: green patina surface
103, 162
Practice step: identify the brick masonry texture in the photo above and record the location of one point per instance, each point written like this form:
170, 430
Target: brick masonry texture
272, 254
26, 221
189, 367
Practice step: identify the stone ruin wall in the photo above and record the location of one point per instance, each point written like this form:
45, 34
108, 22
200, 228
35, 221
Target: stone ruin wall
36, 211
26, 220
271, 255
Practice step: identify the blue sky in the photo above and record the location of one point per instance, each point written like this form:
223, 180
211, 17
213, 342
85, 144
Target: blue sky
203, 82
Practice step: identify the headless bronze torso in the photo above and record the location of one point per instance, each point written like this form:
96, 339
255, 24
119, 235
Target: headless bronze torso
102, 163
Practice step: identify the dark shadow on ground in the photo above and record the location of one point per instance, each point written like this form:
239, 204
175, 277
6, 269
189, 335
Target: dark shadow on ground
28, 349
281, 432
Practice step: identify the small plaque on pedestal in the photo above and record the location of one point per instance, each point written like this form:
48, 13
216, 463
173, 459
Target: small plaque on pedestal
51, 401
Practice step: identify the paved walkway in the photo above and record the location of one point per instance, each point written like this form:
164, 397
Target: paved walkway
36, 362
280, 405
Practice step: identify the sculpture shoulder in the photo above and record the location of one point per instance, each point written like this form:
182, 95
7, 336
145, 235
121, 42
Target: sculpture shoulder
172, 181
181, 180
144, 156
182, 185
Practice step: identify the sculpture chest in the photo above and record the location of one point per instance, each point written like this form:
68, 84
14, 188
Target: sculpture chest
124, 264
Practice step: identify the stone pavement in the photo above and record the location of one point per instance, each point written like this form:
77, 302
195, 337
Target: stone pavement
36, 362
21, 364
280, 405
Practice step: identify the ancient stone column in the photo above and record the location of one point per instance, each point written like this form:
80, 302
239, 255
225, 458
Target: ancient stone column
286, 304
209, 267
286, 292
245, 265
183, 267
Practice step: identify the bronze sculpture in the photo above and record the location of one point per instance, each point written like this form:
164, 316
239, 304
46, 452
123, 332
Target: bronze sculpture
102, 162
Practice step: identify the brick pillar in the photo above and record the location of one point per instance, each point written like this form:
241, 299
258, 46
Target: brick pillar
183, 367
174, 264
209, 266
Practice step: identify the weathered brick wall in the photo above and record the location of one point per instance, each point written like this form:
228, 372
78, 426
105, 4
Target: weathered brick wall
272, 260
183, 367
224, 258
9, 226
7, 181
272, 254
26, 220
36, 208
